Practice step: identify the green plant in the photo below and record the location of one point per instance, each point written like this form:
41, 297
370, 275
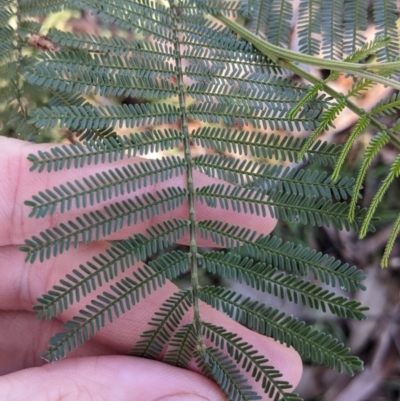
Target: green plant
237, 86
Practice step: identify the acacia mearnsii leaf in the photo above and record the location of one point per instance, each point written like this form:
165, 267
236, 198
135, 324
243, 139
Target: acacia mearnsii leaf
119, 299
274, 177
145, 16
94, 189
181, 347
250, 360
266, 278
107, 266
288, 257
226, 373
106, 150
261, 145
278, 204
87, 116
165, 322
310, 343
113, 45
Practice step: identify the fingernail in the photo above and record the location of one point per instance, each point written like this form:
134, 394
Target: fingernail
182, 397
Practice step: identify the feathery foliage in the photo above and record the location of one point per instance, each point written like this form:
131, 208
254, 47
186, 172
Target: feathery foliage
178, 65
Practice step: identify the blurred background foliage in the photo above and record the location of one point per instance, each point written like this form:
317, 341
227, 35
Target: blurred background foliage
376, 340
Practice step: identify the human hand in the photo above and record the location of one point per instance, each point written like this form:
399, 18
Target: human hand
97, 370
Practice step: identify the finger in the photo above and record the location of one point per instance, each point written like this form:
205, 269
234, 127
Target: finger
19, 185
117, 378
23, 339
23, 284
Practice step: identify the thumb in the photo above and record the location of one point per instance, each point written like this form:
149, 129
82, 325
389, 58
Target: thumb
117, 378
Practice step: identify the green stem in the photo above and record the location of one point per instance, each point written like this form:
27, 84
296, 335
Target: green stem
330, 91
284, 58
275, 53
190, 184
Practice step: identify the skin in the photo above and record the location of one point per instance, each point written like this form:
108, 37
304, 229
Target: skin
99, 369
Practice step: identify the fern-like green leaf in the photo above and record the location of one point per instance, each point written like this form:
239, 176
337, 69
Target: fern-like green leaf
310, 343
107, 150
355, 22
390, 243
265, 278
297, 260
144, 16
385, 18
104, 186
181, 347
114, 45
262, 145
54, 243
165, 320
309, 26
110, 305
273, 177
376, 144
250, 360
293, 259
332, 33
91, 117
393, 174
293, 208
225, 372
105, 267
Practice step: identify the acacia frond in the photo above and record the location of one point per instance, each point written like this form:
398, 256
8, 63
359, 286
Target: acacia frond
107, 150
181, 347
390, 243
273, 177
385, 18
226, 373
377, 199
145, 16
248, 96
307, 341
29, 27
258, 144
275, 118
259, 12
279, 22
266, 278
331, 28
326, 120
230, 8
376, 144
79, 62
359, 128
105, 267
6, 44
265, 82
51, 243
355, 18
105, 185
294, 259
41, 7
72, 73
110, 305
250, 360
91, 117
114, 45
5, 14
309, 26
166, 320
287, 207
99, 224
387, 106
230, 60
